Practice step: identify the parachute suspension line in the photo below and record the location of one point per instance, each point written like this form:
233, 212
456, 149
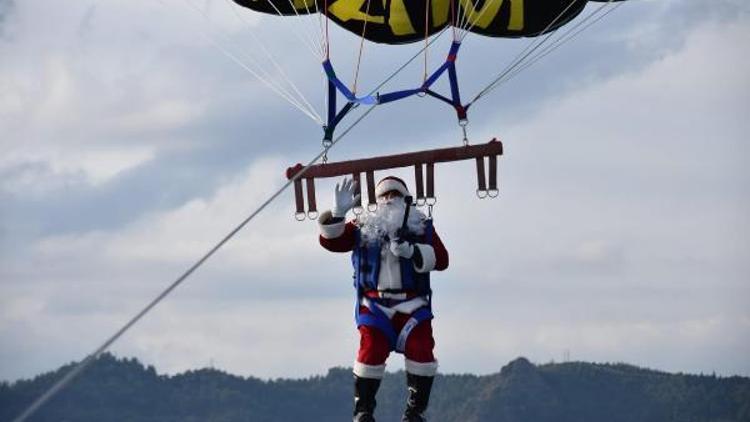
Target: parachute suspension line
361, 47
82, 365
426, 36
298, 33
459, 22
470, 22
321, 29
467, 17
565, 38
526, 52
309, 29
453, 20
327, 37
319, 38
259, 72
408, 62
275, 63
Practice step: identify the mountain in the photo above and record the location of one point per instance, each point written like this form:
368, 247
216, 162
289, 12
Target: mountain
115, 389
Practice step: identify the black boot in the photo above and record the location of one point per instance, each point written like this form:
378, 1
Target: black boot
364, 398
419, 397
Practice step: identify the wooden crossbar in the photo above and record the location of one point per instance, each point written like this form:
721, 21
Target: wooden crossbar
418, 160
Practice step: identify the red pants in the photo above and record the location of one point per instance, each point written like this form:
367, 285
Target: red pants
374, 347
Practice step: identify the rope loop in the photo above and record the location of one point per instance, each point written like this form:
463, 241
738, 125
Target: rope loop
481, 194
299, 216
312, 215
493, 193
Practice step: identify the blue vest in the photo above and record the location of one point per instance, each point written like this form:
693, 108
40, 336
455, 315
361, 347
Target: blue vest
366, 263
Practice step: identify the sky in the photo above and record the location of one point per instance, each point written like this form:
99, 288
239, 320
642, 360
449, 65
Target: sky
132, 142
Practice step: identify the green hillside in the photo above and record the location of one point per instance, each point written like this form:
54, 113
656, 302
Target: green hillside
125, 390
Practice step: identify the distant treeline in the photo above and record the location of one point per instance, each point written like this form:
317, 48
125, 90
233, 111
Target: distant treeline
125, 390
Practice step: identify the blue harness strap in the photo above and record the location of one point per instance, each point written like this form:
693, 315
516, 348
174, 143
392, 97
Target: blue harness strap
378, 319
336, 85
422, 314
366, 263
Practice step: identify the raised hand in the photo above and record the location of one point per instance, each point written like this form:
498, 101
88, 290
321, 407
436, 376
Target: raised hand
346, 197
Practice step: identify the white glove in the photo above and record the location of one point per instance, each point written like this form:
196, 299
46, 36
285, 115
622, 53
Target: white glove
345, 198
402, 249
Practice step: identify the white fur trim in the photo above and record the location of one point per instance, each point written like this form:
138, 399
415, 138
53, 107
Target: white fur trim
364, 370
389, 184
428, 258
424, 369
330, 231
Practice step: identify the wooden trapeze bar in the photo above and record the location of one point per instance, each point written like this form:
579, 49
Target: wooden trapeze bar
422, 161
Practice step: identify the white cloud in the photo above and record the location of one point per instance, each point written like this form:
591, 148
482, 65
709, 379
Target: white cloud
620, 234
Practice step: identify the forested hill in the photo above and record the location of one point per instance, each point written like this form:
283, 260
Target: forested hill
125, 390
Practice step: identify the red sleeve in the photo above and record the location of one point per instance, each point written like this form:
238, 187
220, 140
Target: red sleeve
441, 254
343, 243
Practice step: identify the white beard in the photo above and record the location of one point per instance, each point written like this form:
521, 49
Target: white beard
387, 219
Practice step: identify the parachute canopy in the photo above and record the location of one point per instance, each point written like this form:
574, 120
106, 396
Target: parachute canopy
405, 21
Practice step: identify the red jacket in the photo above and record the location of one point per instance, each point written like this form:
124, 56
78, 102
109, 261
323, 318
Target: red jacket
340, 237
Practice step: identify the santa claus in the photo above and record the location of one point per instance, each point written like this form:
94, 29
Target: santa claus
394, 249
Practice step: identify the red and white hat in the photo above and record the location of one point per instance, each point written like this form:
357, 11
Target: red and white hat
391, 183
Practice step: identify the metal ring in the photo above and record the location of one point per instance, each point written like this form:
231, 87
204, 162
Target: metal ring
312, 215
421, 94
493, 193
430, 200
358, 210
463, 122
327, 143
481, 194
372, 207
420, 202
300, 216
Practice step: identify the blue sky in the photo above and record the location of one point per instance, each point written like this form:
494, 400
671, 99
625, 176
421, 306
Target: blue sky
130, 144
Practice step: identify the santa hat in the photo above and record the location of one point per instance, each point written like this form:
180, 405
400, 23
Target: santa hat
391, 183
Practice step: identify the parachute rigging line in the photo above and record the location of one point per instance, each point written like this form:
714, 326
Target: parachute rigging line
259, 72
81, 366
519, 64
564, 38
316, 50
361, 47
526, 52
468, 22
274, 62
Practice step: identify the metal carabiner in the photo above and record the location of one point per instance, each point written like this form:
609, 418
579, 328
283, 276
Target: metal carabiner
463, 123
327, 143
